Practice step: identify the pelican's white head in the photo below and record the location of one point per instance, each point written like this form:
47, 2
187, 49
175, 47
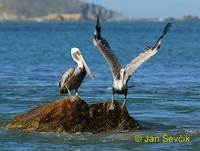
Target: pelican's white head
74, 50
122, 73
76, 55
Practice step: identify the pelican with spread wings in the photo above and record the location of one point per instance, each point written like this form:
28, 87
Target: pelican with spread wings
122, 75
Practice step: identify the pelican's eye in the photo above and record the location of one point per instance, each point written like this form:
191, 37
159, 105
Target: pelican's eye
78, 53
75, 55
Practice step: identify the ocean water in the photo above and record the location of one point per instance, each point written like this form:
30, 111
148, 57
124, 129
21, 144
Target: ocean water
165, 98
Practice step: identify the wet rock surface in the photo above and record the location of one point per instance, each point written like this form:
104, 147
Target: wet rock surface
72, 114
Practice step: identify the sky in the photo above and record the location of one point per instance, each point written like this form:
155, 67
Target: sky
152, 8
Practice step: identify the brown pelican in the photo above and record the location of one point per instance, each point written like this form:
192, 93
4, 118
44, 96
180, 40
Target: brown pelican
72, 78
122, 75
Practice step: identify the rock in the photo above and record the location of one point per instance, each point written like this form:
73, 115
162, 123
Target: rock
72, 114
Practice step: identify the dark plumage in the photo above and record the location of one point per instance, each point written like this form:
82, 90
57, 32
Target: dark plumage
72, 78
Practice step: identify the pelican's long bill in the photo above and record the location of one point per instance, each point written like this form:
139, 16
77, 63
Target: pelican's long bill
86, 66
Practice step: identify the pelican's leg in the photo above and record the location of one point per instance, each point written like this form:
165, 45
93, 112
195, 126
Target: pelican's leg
77, 93
112, 103
68, 92
124, 103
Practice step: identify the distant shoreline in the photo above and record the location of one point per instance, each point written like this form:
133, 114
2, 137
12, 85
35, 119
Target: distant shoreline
5, 17
87, 21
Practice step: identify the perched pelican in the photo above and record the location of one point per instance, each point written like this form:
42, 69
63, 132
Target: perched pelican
72, 78
122, 75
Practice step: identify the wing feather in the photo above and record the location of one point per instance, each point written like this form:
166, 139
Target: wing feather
144, 56
104, 48
139, 60
65, 77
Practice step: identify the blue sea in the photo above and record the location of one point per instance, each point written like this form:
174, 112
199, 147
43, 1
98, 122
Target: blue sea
165, 98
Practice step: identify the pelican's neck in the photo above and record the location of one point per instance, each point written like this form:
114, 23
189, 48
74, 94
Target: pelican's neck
119, 84
121, 77
80, 64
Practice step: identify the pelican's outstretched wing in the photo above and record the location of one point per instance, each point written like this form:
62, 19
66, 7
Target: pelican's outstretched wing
104, 48
144, 56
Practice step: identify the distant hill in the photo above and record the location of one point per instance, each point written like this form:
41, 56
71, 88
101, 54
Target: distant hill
185, 18
23, 9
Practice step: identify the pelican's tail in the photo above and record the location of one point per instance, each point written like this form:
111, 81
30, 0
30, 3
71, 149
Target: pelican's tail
63, 91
